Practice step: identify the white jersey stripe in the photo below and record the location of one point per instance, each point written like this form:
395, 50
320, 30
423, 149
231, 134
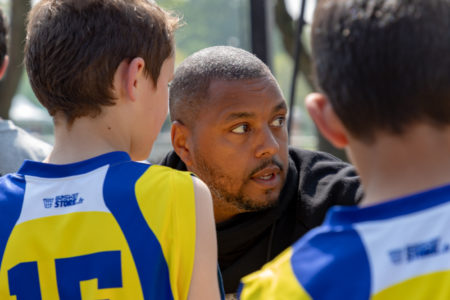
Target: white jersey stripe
46, 197
407, 246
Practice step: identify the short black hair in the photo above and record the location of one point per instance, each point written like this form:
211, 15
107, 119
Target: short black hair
3, 37
384, 64
193, 77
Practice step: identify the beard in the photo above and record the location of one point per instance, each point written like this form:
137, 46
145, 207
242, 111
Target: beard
220, 185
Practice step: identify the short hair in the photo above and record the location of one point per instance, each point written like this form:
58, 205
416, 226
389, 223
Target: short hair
74, 47
192, 78
3, 38
384, 64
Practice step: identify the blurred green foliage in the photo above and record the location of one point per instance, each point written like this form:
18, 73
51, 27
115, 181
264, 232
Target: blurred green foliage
208, 23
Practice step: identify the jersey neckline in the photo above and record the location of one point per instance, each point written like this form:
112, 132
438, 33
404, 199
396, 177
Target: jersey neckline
41, 169
347, 215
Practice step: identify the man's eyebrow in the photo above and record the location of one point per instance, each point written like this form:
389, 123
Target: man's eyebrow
249, 115
239, 115
281, 106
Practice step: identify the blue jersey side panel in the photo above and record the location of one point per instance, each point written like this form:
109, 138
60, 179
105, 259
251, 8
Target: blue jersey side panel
332, 265
145, 248
11, 200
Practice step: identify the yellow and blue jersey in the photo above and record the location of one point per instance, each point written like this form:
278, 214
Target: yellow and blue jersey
104, 228
395, 250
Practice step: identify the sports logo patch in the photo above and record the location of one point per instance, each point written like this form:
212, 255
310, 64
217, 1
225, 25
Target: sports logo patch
62, 201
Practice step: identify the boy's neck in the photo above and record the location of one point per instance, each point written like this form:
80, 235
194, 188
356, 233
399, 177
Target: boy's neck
86, 138
396, 166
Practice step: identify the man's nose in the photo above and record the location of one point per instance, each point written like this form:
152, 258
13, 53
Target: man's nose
267, 144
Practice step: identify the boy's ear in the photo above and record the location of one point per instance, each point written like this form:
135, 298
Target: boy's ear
135, 71
326, 120
180, 135
4, 66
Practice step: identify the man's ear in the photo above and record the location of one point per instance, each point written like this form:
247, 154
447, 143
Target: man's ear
180, 135
4, 66
326, 120
134, 72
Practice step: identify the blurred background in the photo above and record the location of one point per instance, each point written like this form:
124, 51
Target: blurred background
277, 31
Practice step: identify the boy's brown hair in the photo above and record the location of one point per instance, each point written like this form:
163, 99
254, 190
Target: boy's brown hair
384, 65
74, 48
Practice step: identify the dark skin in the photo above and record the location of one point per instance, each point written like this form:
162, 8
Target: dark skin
238, 145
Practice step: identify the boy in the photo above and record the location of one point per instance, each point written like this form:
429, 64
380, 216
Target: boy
384, 71
90, 223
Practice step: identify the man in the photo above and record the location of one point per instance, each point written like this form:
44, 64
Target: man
91, 222
228, 116
384, 69
16, 144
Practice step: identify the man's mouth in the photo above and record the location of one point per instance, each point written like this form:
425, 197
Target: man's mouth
266, 177
267, 172
269, 177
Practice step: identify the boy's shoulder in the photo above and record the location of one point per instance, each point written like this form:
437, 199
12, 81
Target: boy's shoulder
157, 177
314, 261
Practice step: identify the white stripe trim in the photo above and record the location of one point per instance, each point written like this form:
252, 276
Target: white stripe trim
408, 246
46, 197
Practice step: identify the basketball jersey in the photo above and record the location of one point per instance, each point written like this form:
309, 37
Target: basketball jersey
104, 228
395, 250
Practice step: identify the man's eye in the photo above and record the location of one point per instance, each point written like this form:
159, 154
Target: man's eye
279, 122
243, 128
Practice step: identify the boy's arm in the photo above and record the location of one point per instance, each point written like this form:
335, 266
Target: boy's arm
204, 281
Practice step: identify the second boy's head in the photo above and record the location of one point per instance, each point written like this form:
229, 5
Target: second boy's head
382, 65
74, 49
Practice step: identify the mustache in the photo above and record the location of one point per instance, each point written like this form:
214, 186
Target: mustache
265, 163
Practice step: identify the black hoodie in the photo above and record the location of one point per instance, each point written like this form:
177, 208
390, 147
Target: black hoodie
315, 181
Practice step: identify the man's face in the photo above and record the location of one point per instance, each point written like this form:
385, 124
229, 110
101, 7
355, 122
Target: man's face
239, 142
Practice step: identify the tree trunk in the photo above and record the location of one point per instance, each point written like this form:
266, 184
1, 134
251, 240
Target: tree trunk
287, 28
8, 86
